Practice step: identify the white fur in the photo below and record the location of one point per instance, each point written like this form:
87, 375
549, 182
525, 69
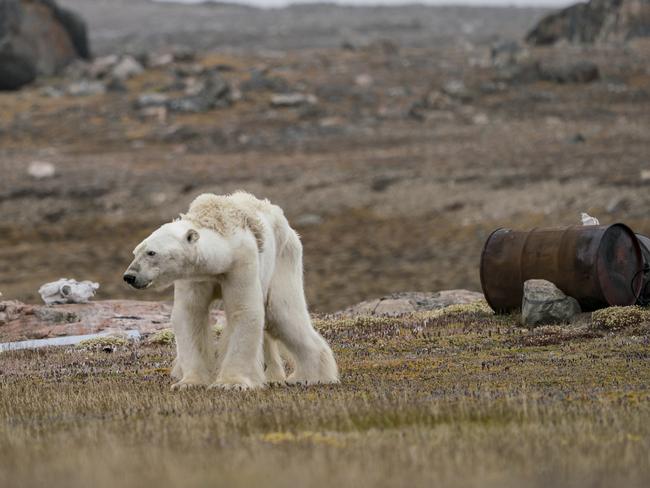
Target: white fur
255, 266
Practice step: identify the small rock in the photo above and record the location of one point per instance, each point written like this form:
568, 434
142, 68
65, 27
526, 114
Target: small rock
480, 119
146, 100
363, 80
457, 89
128, 67
544, 303
215, 92
260, 80
52, 92
292, 99
158, 198
86, 88
100, 67
41, 170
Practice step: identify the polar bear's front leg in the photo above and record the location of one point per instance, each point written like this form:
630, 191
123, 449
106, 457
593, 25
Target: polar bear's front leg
241, 366
190, 321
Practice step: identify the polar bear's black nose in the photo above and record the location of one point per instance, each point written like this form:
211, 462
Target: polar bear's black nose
129, 278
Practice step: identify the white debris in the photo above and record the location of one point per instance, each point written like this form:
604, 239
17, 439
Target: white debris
67, 291
588, 219
41, 170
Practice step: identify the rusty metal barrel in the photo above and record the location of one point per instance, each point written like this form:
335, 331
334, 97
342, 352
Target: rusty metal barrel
598, 265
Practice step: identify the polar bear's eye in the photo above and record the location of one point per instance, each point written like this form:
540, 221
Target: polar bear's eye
151, 253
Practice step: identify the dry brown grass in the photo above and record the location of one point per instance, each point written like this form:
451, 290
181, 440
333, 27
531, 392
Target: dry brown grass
442, 399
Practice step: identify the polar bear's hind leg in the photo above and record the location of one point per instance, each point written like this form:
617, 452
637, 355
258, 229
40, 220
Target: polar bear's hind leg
274, 368
290, 322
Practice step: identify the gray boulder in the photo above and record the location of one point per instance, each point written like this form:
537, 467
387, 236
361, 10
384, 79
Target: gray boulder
544, 303
37, 38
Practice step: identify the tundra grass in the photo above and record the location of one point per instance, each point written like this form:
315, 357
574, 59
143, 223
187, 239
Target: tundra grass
459, 399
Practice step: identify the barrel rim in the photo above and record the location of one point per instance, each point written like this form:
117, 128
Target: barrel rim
639, 255
481, 270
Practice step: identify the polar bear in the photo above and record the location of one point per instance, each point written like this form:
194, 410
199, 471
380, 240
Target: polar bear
240, 249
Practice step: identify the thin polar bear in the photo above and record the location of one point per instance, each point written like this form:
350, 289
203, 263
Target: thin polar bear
243, 250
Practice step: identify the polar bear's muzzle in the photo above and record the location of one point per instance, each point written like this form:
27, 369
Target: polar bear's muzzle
133, 281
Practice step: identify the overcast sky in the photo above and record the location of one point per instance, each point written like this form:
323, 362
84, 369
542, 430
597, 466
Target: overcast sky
275, 3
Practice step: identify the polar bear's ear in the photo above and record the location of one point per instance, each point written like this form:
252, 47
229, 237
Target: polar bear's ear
191, 236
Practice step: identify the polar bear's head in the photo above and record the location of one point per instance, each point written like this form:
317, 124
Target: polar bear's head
167, 255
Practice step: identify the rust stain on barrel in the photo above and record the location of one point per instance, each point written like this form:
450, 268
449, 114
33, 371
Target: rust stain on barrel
598, 265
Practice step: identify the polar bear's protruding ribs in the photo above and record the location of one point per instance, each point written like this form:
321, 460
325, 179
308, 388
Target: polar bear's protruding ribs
225, 213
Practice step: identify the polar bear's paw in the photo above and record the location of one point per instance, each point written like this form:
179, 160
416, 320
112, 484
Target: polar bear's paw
275, 375
186, 384
237, 383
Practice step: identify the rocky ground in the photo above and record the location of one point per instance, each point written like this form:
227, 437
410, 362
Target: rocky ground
23, 322
396, 140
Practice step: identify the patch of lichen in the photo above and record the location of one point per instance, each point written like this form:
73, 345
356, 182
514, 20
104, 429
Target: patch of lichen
619, 318
162, 337
104, 342
167, 337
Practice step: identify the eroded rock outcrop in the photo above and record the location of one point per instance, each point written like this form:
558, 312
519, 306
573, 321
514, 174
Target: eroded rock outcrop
595, 21
37, 38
